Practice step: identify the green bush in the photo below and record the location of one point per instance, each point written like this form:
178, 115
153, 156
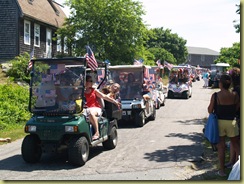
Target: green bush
19, 70
13, 106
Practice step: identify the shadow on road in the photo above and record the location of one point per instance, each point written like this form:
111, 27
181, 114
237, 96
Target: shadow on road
50, 161
178, 153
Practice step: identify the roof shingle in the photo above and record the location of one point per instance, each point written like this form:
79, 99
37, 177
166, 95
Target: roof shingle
43, 11
202, 51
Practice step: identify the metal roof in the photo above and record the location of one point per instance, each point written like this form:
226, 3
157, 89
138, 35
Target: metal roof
202, 51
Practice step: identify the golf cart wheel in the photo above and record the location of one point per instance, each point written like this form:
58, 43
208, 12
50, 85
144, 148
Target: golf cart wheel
153, 116
157, 104
140, 119
163, 104
31, 149
170, 94
112, 141
78, 152
185, 94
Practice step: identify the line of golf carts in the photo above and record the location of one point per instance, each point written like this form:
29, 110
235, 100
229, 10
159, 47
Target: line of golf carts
57, 103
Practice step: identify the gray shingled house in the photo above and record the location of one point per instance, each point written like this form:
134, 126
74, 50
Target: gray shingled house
28, 25
203, 57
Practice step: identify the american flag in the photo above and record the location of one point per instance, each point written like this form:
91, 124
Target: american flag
138, 62
31, 57
100, 74
168, 65
159, 63
91, 60
50, 93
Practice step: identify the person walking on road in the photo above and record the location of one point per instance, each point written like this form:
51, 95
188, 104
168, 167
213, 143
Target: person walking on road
227, 105
205, 79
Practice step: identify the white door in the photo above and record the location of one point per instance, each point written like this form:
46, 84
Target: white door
49, 43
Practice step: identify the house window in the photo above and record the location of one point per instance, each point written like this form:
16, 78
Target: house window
48, 43
189, 58
37, 35
202, 58
27, 31
59, 46
65, 45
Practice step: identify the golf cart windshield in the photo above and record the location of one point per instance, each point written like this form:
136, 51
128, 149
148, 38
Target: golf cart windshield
57, 86
180, 74
130, 80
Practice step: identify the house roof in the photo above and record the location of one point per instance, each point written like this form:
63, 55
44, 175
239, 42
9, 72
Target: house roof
44, 11
202, 51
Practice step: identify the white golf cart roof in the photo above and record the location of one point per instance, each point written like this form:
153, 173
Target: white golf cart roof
180, 67
128, 66
221, 64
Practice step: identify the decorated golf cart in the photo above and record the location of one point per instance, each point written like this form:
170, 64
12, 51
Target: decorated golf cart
135, 92
57, 103
180, 84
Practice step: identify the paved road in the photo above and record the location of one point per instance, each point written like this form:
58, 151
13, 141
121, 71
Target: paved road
161, 150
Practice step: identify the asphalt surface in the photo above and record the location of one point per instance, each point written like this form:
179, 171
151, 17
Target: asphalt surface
163, 149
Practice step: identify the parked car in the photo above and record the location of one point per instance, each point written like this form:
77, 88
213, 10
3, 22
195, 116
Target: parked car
132, 80
57, 104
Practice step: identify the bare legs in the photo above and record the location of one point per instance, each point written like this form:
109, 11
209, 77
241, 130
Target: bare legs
221, 155
221, 151
94, 121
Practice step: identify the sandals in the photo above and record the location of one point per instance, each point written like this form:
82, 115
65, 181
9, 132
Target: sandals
219, 173
95, 137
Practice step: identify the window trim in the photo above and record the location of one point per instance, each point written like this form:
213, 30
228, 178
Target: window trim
25, 33
35, 26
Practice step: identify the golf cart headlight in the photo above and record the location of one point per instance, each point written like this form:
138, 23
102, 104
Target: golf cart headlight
136, 106
30, 128
71, 128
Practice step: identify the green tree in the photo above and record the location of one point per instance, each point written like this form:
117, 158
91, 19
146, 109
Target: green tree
163, 55
114, 29
230, 55
237, 22
172, 43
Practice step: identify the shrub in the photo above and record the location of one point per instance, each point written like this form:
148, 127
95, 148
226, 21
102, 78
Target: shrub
13, 105
19, 70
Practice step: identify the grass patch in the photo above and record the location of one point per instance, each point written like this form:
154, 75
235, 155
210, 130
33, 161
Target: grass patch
14, 133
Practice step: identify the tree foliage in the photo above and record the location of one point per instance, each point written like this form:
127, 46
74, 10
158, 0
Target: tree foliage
172, 43
162, 55
237, 22
230, 55
113, 29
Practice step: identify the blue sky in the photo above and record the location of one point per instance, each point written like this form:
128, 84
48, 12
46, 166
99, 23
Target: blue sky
203, 23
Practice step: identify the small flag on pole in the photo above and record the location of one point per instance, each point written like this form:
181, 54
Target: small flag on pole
168, 65
31, 57
91, 60
159, 63
138, 62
